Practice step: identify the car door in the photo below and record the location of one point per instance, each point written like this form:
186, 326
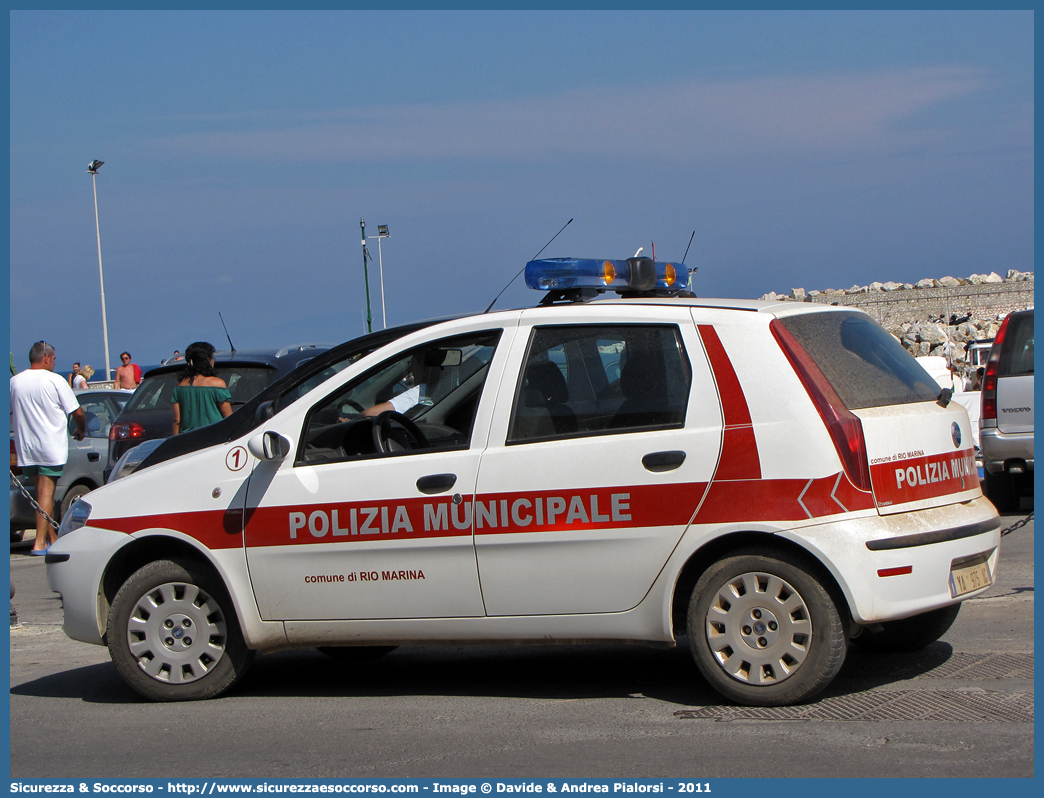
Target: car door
339, 530
605, 438
87, 457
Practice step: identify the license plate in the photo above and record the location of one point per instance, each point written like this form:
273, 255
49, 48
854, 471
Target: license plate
968, 577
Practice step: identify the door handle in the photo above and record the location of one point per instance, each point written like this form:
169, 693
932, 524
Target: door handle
663, 461
436, 483
94, 457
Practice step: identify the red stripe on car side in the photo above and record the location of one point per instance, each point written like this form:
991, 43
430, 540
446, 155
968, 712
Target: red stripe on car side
636, 506
739, 447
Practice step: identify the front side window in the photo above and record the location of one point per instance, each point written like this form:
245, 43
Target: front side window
422, 399
600, 379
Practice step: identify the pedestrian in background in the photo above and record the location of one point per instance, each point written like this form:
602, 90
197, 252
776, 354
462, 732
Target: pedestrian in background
80, 380
128, 375
73, 373
201, 396
40, 403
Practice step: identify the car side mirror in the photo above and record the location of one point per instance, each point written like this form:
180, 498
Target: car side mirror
264, 411
269, 446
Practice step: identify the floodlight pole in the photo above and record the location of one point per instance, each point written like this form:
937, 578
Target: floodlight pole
366, 277
101, 275
380, 269
382, 232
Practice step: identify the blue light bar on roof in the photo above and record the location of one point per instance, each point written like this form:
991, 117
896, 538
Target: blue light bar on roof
632, 274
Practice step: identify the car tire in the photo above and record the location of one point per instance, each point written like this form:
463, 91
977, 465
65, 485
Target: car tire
909, 634
764, 631
71, 495
356, 653
1001, 489
17, 535
157, 602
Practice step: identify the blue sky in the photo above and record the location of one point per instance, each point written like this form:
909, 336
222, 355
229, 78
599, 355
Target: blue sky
811, 149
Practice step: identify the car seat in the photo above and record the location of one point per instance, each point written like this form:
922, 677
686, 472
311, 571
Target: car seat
543, 411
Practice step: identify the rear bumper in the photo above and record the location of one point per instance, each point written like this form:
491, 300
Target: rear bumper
894, 566
1000, 448
23, 516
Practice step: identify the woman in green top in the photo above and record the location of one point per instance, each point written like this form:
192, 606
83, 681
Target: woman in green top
201, 396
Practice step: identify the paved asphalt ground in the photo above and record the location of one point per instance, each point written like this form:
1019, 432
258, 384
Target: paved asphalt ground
963, 707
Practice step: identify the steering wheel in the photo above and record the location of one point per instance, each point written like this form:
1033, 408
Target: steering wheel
382, 427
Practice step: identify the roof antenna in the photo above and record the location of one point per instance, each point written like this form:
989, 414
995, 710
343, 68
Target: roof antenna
505, 288
226, 333
689, 245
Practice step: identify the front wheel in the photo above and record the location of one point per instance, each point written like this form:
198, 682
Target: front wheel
764, 631
173, 634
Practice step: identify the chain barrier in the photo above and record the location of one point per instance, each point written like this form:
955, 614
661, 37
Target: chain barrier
1017, 525
32, 501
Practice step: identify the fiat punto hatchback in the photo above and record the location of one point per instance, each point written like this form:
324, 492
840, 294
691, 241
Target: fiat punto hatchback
771, 480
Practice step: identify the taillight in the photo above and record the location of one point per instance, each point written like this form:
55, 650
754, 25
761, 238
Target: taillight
988, 407
125, 430
15, 468
846, 431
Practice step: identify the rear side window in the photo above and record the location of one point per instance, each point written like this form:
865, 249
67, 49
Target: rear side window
598, 380
863, 363
244, 383
1016, 358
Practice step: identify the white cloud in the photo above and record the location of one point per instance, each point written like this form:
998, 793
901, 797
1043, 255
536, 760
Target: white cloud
691, 120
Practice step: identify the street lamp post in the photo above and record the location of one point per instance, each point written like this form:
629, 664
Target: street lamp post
92, 170
382, 232
366, 276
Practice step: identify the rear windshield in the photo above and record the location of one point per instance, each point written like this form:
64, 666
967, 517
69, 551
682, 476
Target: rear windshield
864, 364
1017, 350
244, 383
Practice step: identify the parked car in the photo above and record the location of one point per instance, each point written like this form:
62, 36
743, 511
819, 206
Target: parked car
150, 413
85, 470
1006, 413
771, 481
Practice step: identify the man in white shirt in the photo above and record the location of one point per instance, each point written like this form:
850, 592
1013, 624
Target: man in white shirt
40, 403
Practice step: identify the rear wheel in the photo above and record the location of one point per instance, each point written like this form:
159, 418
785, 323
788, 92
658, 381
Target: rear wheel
909, 634
764, 631
1002, 490
173, 634
71, 495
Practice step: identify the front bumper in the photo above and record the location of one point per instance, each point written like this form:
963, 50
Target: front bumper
75, 568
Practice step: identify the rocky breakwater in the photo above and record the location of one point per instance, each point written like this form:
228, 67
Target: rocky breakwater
937, 317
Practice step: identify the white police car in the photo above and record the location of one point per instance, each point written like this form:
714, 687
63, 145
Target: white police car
772, 480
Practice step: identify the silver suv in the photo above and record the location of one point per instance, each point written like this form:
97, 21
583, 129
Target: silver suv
1006, 418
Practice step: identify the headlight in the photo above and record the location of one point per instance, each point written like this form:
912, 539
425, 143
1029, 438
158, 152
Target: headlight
133, 458
75, 517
